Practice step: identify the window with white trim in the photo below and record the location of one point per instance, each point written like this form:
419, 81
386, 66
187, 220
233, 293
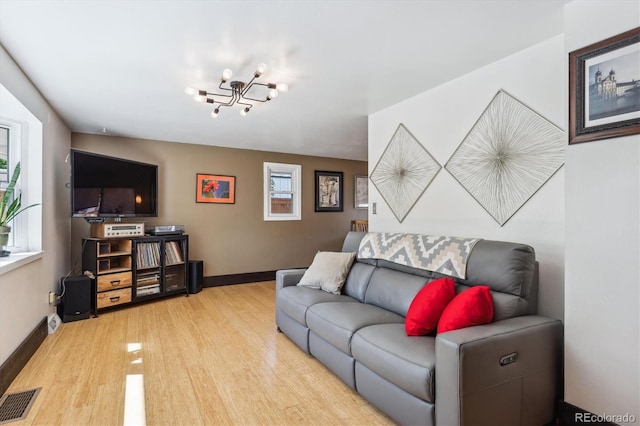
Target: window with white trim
282, 191
4, 157
7, 164
21, 142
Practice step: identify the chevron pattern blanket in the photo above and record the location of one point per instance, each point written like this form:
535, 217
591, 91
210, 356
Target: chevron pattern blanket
446, 255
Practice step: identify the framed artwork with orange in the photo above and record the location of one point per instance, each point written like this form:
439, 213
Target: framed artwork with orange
218, 189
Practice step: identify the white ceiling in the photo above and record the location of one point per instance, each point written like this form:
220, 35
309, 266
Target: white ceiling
123, 65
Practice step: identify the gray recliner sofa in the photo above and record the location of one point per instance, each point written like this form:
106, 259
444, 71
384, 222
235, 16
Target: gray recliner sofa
507, 372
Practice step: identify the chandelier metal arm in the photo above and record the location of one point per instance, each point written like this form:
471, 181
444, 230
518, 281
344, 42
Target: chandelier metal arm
216, 99
248, 105
235, 99
230, 103
267, 85
231, 96
248, 86
219, 95
254, 99
224, 88
216, 96
232, 99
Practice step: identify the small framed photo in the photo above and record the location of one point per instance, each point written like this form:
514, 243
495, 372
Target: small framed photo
217, 189
604, 89
361, 192
329, 191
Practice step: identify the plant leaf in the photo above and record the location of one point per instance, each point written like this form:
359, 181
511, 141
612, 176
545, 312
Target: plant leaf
9, 209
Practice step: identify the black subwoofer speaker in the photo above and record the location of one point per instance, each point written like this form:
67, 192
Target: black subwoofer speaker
195, 276
76, 300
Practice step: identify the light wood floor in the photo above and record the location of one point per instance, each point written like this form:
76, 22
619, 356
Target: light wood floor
211, 358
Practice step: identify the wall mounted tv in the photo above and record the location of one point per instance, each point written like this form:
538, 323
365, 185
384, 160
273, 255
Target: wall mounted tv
103, 186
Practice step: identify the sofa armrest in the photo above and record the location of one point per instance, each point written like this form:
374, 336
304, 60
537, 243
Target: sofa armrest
507, 372
288, 277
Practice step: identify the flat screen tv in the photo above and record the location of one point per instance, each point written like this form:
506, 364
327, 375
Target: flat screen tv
103, 186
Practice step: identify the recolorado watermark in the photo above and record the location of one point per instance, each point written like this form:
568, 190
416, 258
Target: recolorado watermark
604, 418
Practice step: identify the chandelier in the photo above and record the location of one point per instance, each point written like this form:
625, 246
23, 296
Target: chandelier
237, 92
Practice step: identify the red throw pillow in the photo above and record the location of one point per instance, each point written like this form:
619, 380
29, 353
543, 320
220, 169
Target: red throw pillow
427, 306
473, 306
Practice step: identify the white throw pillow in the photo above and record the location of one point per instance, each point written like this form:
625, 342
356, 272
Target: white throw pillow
328, 271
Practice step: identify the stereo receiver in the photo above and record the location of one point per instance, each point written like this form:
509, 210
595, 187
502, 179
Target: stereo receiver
117, 230
166, 230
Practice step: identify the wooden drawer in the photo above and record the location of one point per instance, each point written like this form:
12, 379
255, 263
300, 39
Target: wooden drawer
114, 297
113, 281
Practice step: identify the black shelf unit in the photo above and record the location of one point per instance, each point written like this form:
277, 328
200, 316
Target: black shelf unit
135, 269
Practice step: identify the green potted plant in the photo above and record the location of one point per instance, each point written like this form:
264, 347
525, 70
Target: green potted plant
9, 209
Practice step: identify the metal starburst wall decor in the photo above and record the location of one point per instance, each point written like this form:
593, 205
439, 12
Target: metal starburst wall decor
507, 156
403, 172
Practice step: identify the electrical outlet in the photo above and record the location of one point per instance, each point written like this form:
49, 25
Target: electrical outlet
52, 298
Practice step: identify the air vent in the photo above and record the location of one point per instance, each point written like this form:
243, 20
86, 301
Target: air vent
15, 406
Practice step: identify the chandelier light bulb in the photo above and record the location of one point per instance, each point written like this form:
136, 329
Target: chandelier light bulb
261, 68
244, 111
282, 88
273, 93
215, 113
190, 91
226, 74
199, 98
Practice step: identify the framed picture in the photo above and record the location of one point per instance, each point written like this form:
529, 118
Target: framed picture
329, 190
361, 192
215, 189
604, 89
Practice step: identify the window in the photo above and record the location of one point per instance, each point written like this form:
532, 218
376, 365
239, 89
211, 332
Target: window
282, 191
6, 166
4, 157
21, 141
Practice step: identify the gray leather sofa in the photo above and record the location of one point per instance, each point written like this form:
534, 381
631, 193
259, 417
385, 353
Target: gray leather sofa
504, 373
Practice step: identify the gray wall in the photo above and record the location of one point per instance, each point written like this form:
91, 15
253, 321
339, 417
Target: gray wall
24, 291
602, 276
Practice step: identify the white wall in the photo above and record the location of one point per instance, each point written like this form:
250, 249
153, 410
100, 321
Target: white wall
602, 280
24, 291
441, 118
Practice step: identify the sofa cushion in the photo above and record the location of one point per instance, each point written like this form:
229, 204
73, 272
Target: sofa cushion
408, 362
393, 290
294, 301
503, 266
358, 280
473, 306
328, 271
336, 322
505, 305
426, 308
